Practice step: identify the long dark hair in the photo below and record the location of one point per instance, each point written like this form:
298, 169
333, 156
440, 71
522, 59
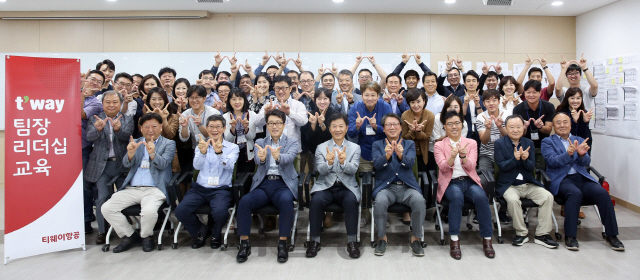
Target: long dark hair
564, 105
160, 91
447, 103
237, 92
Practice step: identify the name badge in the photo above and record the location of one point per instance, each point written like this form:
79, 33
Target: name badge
213, 181
370, 130
241, 139
144, 164
495, 137
259, 129
534, 134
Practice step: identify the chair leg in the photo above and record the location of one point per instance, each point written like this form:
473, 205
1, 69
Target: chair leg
359, 217
498, 226
293, 230
439, 225
167, 213
373, 242
261, 230
105, 247
604, 235
175, 236
226, 232
555, 223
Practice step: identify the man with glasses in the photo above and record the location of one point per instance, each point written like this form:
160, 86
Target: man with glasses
209, 82
573, 71
452, 75
365, 75
123, 85
149, 159
393, 159
275, 181
294, 110
215, 158
345, 96
91, 106
192, 120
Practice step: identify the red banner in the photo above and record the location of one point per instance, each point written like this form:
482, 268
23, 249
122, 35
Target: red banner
43, 154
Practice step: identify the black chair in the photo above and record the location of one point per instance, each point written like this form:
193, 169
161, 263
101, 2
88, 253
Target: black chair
546, 181
489, 189
134, 211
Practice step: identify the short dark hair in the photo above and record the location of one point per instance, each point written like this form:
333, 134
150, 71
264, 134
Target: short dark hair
149, 116
451, 114
307, 72
166, 70
574, 67
514, 116
534, 69
276, 113
365, 70
205, 72
505, 80
272, 67
137, 75
227, 84
123, 75
327, 74
223, 72
180, 81
415, 93
326, 91
391, 115
245, 76
470, 73
279, 79
393, 75
294, 72
428, 74
345, 72
98, 72
237, 92
411, 73
216, 117
108, 62
145, 78
493, 74
197, 89
490, 93
534, 84
338, 116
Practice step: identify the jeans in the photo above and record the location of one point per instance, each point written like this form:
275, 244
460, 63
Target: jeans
460, 191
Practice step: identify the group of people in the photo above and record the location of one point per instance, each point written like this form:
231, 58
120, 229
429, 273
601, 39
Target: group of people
138, 130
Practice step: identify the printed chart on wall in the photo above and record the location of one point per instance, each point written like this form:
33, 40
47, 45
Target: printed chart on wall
616, 102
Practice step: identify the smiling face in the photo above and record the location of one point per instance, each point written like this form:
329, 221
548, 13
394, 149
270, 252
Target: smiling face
196, 101
223, 93
574, 77
412, 82
275, 125
454, 106
151, 129
95, 82
222, 77
111, 105
345, 82
181, 90
245, 84
562, 125
338, 129
430, 84
509, 88
294, 79
575, 101
156, 101
328, 81
167, 79
215, 130
536, 75
237, 102
149, 84
453, 77
491, 82
514, 128
492, 104
262, 84
123, 85
392, 128
417, 106
282, 91
306, 82
364, 77
393, 84
207, 81
471, 83
108, 72
453, 127
532, 95
370, 98
322, 102
272, 72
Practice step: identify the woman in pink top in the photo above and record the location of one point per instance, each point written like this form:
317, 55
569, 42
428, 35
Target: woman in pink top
458, 181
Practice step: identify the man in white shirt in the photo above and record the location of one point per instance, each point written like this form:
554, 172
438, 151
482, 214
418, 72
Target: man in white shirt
573, 70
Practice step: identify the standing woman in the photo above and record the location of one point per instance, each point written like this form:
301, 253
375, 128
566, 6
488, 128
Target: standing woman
192, 121
157, 102
572, 104
241, 129
260, 96
317, 129
510, 96
147, 83
180, 88
417, 125
452, 103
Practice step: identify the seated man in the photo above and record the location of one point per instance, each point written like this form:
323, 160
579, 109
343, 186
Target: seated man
275, 181
149, 158
458, 181
337, 161
393, 160
215, 159
516, 181
566, 157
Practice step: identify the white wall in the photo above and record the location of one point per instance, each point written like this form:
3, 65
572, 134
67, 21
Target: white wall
602, 33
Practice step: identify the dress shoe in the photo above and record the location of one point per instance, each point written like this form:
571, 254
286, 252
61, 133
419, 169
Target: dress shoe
200, 240
128, 242
87, 228
488, 249
581, 215
245, 251
614, 243
353, 248
313, 248
101, 238
571, 243
147, 244
454, 249
283, 252
215, 243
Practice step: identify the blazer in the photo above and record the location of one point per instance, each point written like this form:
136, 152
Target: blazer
387, 171
250, 136
559, 163
442, 152
422, 137
101, 145
510, 167
288, 153
160, 166
346, 173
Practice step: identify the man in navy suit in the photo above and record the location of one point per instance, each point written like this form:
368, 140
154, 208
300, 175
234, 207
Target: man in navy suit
393, 159
516, 181
566, 157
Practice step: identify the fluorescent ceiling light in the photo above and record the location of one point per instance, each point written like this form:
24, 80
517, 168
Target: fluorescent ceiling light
449, 1
338, 1
557, 3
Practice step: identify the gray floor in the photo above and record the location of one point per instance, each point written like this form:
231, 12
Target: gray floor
594, 260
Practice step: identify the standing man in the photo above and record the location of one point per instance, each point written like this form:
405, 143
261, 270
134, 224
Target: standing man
535, 73
573, 70
394, 96
452, 75
167, 78
345, 96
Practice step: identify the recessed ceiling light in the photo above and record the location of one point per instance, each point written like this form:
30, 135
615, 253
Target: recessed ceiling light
449, 1
112, 0
338, 1
557, 3
3, 0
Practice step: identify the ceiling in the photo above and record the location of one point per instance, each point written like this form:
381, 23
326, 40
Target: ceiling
471, 7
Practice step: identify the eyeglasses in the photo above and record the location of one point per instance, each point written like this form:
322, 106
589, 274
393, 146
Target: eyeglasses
272, 124
216, 127
573, 73
281, 88
224, 91
392, 125
365, 77
195, 97
94, 80
124, 84
208, 78
451, 124
154, 127
306, 81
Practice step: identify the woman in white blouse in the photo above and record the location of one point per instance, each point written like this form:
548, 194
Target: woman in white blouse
240, 128
510, 96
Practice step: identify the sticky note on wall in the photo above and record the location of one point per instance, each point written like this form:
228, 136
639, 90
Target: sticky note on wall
621, 69
607, 70
620, 59
610, 61
613, 81
621, 80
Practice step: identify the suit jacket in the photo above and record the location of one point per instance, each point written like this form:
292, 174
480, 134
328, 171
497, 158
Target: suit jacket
160, 166
387, 171
442, 152
346, 174
510, 167
288, 153
101, 146
422, 137
559, 163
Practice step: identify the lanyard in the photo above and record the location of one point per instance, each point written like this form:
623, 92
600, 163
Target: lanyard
539, 110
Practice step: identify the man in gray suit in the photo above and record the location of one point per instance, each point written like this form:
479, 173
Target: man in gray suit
345, 96
149, 158
337, 161
109, 131
275, 182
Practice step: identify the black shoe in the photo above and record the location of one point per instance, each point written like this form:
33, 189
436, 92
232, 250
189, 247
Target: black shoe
245, 251
614, 243
199, 241
313, 249
147, 244
353, 248
571, 243
101, 238
416, 248
283, 252
504, 219
87, 228
520, 240
215, 243
128, 242
546, 241
93, 217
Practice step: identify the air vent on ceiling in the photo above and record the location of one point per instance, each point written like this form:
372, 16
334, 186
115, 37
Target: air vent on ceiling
209, 1
494, 2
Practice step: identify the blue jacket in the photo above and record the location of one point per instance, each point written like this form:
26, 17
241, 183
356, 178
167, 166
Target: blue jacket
365, 142
288, 154
387, 171
510, 167
160, 166
559, 162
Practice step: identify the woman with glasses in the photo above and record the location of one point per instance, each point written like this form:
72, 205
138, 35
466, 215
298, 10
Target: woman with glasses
458, 181
241, 129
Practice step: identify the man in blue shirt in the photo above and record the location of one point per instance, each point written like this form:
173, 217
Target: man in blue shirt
215, 159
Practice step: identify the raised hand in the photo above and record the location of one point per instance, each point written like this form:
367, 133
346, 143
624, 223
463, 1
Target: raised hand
506, 99
339, 96
454, 150
458, 62
275, 153
417, 57
349, 95
133, 146
115, 123
386, 96
217, 145
463, 151
151, 147
334, 69
575, 114
233, 121
583, 62
321, 70
498, 120
543, 61
412, 126
572, 148
389, 149
405, 56
467, 96
268, 107
218, 58
400, 97
298, 62
517, 153
563, 63
372, 121
524, 155
313, 119
184, 122
321, 116
197, 120
586, 116
99, 123
485, 68
371, 59
203, 146
498, 68
235, 68
331, 156
286, 108
342, 155
398, 148
283, 60
476, 98
528, 122
278, 57
245, 121
583, 148
420, 126
360, 120
449, 63
488, 122
262, 152
528, 61
539, 123
247, 67
359, 58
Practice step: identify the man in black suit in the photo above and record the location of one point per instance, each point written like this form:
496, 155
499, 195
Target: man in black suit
516, 181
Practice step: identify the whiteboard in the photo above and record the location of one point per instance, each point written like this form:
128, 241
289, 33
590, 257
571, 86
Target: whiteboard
189, 64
